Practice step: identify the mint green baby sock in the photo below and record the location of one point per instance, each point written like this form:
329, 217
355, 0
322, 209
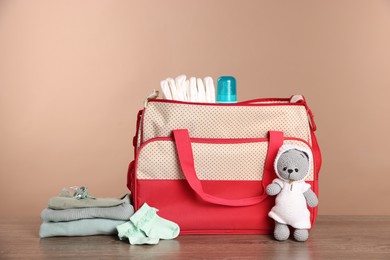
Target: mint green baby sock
147, 220
135, 236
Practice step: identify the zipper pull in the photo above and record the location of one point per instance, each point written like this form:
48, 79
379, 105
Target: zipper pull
297, 98
152, 95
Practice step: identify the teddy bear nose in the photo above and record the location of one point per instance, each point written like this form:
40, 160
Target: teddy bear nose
290, 170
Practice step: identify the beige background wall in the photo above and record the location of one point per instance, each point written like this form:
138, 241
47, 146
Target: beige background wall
73, 75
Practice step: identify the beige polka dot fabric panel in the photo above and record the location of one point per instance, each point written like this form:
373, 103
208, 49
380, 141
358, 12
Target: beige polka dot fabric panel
158, 160
232, 121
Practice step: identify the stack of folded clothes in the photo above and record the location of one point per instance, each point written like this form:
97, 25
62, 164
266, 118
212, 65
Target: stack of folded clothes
74, 213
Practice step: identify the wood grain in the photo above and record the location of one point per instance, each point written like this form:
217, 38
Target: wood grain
333, 237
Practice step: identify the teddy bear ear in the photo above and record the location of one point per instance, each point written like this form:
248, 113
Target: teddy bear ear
303, 153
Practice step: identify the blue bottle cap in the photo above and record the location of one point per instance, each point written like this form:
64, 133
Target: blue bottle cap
226, 90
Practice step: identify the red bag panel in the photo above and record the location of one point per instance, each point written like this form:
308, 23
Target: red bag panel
177, 202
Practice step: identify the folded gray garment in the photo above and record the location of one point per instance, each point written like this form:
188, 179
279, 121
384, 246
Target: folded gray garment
121, 212
71, 203
83, 227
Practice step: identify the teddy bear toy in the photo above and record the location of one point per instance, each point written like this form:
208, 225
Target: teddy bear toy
293, 194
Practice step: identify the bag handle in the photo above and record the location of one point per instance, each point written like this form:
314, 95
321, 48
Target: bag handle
186, 159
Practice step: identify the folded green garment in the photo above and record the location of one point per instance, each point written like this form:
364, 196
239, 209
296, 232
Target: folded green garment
83, 227
71, 203
121, 212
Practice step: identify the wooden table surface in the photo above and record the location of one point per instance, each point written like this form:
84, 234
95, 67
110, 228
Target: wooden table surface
333, 237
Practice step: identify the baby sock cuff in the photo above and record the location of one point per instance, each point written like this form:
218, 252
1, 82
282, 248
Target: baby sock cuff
128, 229
144, 217
134, 235
147, 220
